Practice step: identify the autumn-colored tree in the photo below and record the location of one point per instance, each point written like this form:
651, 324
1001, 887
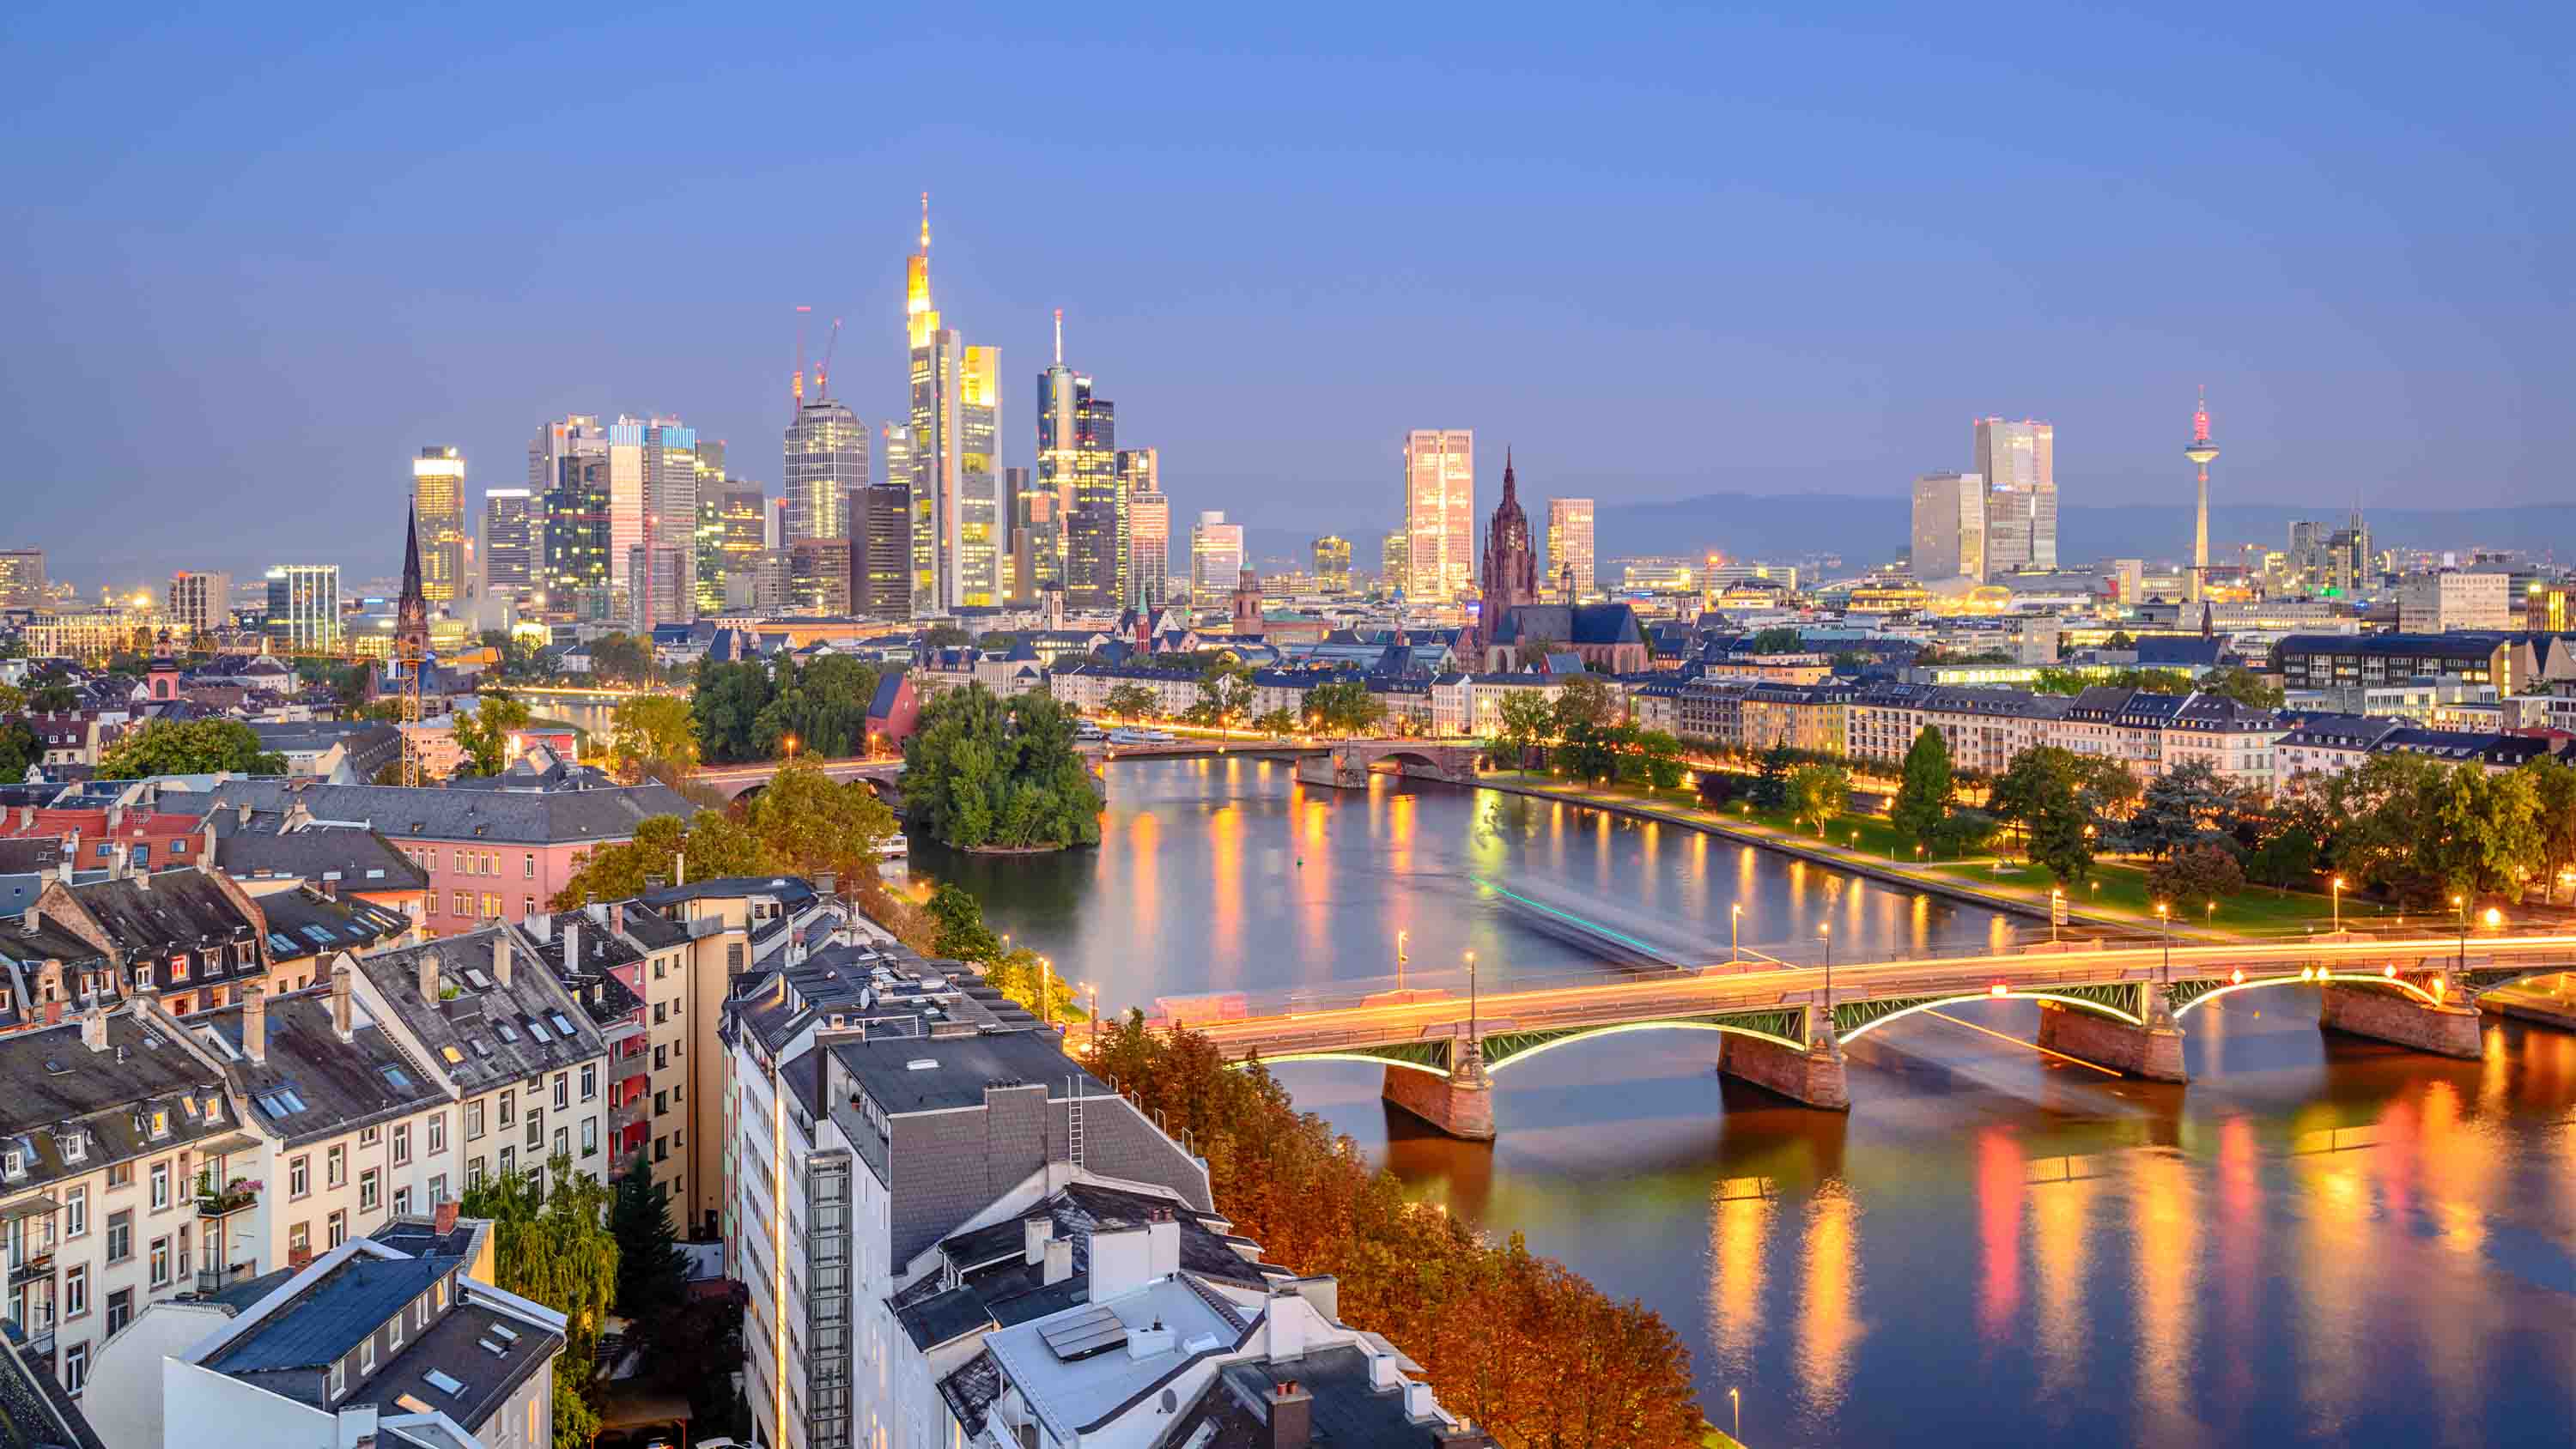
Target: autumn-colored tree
814, 825
649, 728
708, 847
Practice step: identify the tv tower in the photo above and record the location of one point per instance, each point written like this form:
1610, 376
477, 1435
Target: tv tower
2200, 452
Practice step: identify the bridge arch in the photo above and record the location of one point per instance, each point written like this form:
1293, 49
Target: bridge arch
1876, 1020
1514, 1055
1410, 1064
2308, 977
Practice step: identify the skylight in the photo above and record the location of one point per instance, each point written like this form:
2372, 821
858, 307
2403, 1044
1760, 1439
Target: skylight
439, 1380
481, 981
481, 1047
507, 1032
561, 1024
537, 1029
396, 1075
318, 935
452, 1055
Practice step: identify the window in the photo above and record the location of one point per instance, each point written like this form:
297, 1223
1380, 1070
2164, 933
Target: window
589, 1136
369, 1136
536, 1127
120, 1174
75, 1367
563, 1143
160, 1186
509, 1161
527, 905
509, 1108
660, 1059
474, 1121
299, 1176
659, 1014
437, 1133
661, 1103
335, 1167
474, 1173
366, 1355
339, 1228
120, 1310
491, 906
183, 1250
339, 1379
589, 1082
160, 1262
76, 1292
299, 1239
179, 967
120, 1236
563, 1091
369, 1190
661, 1149
76, 1213
143, 977
402, 1143
528, 867
462, 902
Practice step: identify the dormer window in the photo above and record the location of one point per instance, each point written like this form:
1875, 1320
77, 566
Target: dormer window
160, 1122
13, 1163
74, 1145
143, 978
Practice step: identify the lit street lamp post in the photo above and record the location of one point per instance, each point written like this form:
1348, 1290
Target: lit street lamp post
1827, 932
1471, 996
2164, 923
2338, 905
1734, 932
2462, 902
1400, 938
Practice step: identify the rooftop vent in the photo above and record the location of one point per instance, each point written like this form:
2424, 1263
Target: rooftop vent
922, 1064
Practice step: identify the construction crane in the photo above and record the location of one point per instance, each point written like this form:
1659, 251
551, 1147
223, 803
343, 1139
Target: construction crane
823, 369
796, 388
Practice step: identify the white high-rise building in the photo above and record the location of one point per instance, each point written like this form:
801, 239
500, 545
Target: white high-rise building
1440, 512
1149, 526
513, 543
1949, 527
1216, 560
200, 602
652, 496
826, 458
304, 607
2018, 462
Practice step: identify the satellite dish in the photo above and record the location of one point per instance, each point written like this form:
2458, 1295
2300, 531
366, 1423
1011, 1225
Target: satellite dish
1169, 1402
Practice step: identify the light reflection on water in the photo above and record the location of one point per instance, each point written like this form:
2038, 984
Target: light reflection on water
2319, 1241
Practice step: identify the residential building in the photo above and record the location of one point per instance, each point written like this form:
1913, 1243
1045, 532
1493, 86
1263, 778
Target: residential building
1149, 527
438, 511
2438, 603
2018, 462
2345, 661
1950, 527
304, 607
513, 543
1216, 560
1439, 512
826, 461
199, 603
1570, 561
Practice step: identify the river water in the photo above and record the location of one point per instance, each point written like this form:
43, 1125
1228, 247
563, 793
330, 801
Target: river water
2319, 1241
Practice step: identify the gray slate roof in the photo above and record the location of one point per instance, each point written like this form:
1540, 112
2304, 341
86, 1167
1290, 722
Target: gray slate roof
497, 816
488, 1027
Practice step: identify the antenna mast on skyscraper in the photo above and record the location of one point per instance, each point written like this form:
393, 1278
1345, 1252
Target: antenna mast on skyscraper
1059, 337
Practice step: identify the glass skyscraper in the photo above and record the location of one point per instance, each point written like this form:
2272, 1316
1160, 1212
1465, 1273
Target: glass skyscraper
1149, 527
1439, 513
2018, 462
826, 457
1078, 463
438, 511
955, 441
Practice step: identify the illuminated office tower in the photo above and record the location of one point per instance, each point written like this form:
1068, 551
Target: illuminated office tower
1570, 564
438, 511
304, 607
511, 550
575, 435
1395, 562
1038, 540
1216, 560
1149, 527
653, 499
1078, 463
576, 573
880, 551
826, 457
200, 602
956, 441
1949, 527
1440, 512
2018, 462
22, 578
1333, 564
744, 512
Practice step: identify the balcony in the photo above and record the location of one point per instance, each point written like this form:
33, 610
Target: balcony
211, 1280
232, 1197
633, 1110
31, 1266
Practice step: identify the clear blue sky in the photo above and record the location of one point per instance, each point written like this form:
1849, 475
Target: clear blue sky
257, 257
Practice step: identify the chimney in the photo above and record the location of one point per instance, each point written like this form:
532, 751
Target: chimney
1292, 1416
541, 925
330, 885
143, 879
299, 1259
1059, 1260
1287, 1326
206, 847
241, 813
35, 920
94, 1028
340, 1018
1162, 1245
501, 953
255, 1025
827, 883
116, 861
355, 1427
71, 858
1035, 1234
429, 977
617, 918
1147, 1342
442, 1218
572, 942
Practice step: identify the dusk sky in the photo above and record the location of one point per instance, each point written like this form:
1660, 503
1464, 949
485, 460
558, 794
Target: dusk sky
257, 257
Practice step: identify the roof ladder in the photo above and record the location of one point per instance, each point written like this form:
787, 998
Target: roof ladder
1073, 1126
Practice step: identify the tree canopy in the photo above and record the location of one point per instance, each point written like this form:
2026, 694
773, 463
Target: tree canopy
2038, 793
551, 1243
188, 747
1922, 804
984, 773
484, 733
1344, 707
709, 846
811, 823
652, 729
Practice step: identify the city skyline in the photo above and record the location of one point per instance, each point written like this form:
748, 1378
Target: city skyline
2374, 312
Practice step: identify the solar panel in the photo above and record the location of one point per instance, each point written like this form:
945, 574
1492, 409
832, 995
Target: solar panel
1094, 1330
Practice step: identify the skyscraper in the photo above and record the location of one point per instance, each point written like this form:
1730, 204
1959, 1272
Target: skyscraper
1949, 527
1570, 562
2018, 462
880, 551
1333, 564
200, 602
826, 457
1395, 562
576, 572
304, 607
955, 442
1509, 576
2200, 451
1149, 527
1216, 561
573, 435
512, 550
438, 511
1078, 463
22, 578
1439, 512
653, 501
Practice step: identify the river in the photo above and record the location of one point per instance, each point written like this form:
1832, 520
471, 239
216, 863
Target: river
2319, 1241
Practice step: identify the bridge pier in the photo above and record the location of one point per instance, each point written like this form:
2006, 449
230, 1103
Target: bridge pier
2450, 1030
1334, 771
2152, 1051
1460, 1104
1811, 1076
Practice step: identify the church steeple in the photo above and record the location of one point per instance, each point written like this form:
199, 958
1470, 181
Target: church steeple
411, 611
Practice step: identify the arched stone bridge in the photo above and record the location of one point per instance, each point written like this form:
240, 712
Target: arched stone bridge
1350, 763
1778, 1027
736, 781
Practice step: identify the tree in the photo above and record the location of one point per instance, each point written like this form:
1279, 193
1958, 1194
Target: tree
2195, 877
1130, 702
1659, 757
708, 847
2243, 686
2487, 836
2553, 794
946, 636
188, 747
1225, 692
1923, 798
1587, 699
1278, 723
2120, 639
1818, 793
517, 654
1524, 719
727, 699
18, 750
812, 824
963, 936
1771, 778
1344, 707
1529, 653
647, 728
53, 699
13, 700
651, 1273
622, 658
1778, 639
551, 1243
485, 733
2185, 806
980, 773
2038, 793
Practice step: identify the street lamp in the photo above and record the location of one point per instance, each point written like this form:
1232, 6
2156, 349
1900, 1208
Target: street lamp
1400, 938
2164, 923
1471, 996
2056, 898
1827, 932
2338, 904
2462, 903
1734, 932
1736, 1399
791, 747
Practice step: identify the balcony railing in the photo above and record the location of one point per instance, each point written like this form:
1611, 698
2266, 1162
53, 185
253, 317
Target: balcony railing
630, 1112
210, 1280
31, 1266
232, 1197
